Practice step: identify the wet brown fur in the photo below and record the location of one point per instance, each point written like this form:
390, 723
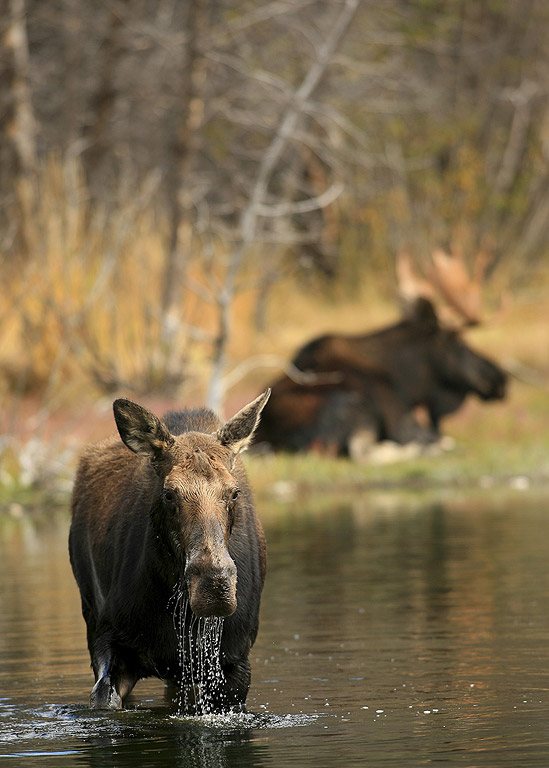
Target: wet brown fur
130, 549
383, 377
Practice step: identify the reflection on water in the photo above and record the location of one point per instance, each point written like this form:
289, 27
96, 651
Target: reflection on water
393, 632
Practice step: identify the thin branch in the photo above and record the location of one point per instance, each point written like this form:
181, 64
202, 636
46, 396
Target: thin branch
267, 166
302, 206
259, 75
289, 121
276, 361
265, 13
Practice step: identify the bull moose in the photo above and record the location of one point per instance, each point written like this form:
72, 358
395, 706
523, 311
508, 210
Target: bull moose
325, 415
384, 376
171, 516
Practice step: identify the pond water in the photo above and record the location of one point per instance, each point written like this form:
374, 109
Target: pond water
394, 632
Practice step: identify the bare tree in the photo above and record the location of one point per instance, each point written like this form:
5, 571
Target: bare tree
97, 132
186, 141
256, 206
291, 136
17, 123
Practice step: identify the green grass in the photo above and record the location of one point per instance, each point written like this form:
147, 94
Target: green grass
285, 475
497, 446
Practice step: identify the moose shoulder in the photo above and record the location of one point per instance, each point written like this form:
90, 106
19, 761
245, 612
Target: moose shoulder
425, 363
174, 512
372, 383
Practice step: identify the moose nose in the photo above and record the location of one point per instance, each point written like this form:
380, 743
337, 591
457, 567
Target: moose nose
212, 586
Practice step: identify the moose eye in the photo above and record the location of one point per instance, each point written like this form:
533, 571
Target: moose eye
235, 494
168, 496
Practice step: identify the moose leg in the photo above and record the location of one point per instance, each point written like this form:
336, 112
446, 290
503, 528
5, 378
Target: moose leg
399, 423
237, 683
104, 694
113, 683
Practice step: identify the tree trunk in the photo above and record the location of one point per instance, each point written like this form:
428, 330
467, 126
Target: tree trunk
103, 101
186, 143
17, 124
247, 232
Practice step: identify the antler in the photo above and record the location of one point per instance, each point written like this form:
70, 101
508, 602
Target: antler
410, 284
446, 278
461, 291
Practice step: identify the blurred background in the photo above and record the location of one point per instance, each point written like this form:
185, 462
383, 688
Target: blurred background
189, 191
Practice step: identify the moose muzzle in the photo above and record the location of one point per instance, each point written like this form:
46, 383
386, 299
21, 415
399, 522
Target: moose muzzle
211, 582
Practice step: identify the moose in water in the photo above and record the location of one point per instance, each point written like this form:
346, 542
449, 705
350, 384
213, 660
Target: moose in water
163, 520
373, 383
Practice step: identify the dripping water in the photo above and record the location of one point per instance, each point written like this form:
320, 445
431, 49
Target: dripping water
201, 687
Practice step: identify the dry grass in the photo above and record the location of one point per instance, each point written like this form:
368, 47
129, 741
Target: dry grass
497, 444
82, 317
84, 300
500, 446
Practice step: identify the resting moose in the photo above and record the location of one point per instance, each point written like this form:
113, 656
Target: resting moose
325, 416
171, 515
425, 363
385, 375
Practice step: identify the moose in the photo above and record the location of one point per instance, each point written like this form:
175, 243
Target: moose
325, 411
166, 510
373, 382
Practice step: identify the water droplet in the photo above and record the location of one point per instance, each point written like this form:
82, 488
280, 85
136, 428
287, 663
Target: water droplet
202, 682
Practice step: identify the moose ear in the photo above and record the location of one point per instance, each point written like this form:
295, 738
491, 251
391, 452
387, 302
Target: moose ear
423, 313
140, 429
237, 433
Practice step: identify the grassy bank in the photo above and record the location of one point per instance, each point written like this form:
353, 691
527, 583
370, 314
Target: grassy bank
467, 467
503, 444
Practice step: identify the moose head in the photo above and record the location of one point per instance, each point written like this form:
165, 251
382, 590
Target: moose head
197, 495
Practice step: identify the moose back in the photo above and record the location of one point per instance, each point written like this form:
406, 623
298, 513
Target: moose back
423, 362
382, 377
171, 515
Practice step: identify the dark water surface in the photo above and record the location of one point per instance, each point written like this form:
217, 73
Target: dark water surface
394, 633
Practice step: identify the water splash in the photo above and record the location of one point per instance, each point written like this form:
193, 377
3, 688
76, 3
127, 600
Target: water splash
231, 721
202, 684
